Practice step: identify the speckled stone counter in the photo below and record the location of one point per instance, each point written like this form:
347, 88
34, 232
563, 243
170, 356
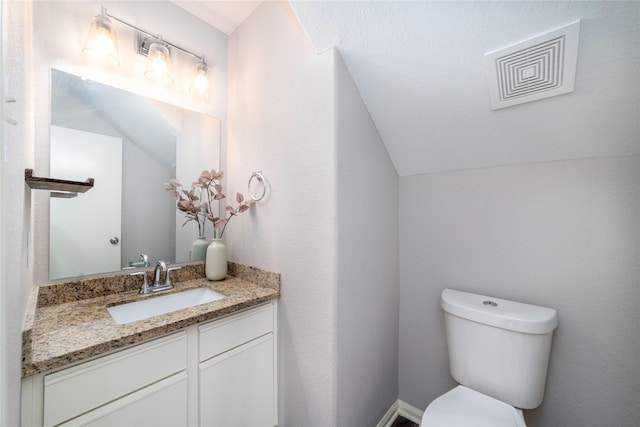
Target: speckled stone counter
69, 322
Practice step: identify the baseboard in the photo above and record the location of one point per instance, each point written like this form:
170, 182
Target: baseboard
410, 412
402, 408
390, 416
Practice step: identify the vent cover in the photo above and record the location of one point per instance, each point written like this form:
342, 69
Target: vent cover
537, 68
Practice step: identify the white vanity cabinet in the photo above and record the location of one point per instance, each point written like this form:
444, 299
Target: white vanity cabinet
220, 373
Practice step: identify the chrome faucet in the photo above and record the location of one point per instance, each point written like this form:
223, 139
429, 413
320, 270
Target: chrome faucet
143, 262
157, 286
144, 259
161, 267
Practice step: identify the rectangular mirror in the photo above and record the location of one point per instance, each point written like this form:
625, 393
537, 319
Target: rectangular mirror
131, 146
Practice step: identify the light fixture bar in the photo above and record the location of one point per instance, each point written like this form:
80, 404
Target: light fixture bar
155, 36
101, 47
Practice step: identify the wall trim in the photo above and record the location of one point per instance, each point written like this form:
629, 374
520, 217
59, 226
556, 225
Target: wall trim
390, 416
410, 412
402, 408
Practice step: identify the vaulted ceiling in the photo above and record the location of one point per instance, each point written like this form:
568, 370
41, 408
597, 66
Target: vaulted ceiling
419, 66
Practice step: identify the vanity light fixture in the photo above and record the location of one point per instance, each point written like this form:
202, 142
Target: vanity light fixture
101, 47
200, 84
158, 63
157, 50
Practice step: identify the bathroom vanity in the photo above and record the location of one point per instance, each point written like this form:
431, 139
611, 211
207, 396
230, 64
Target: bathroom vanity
213, 364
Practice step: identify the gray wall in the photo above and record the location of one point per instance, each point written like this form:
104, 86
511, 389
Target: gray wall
146, 207
328, 223
367, 382
564, 235
281, 121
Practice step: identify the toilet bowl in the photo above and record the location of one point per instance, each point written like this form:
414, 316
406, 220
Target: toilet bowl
463, 407
499, 354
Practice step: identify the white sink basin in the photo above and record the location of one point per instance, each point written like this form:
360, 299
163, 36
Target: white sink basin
127, 313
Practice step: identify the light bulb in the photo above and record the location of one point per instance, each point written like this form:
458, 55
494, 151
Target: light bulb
158, 63
101, 47
201, 80
104, 43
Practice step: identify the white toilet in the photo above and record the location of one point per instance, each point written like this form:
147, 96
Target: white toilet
498, 353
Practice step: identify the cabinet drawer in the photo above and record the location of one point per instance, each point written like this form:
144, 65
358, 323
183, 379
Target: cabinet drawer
161, 404
223, 335
81, 388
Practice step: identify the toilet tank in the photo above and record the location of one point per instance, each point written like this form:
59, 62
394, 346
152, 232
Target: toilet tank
498, 347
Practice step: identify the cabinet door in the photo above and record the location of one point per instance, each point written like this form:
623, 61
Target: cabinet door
236, 387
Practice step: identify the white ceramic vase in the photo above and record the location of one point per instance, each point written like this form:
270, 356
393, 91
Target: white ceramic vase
216, 263
199, 249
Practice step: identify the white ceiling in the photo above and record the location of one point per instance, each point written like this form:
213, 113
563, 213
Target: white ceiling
419, 68
225, 15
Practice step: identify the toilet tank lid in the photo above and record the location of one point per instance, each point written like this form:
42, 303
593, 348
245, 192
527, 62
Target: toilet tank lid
514, 316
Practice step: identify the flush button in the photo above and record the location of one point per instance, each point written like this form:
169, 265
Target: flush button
490, 303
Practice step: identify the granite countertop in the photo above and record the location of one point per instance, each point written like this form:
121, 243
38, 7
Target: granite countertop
69, 322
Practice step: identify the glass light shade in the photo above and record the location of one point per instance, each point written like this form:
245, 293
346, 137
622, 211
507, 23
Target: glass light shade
158, 64
200, 85
101, 47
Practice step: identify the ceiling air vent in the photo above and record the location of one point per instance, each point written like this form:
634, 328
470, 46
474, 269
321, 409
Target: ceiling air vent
537, 68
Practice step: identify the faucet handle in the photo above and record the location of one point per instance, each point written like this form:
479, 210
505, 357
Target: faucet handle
145, 284
167, 279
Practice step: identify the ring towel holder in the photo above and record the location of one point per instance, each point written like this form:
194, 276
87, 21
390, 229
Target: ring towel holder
261, 189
